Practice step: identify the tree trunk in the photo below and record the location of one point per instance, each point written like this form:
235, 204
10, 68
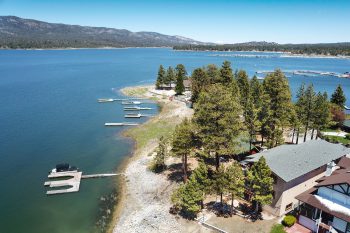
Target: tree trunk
297, 136
184, 167
257, 207
317, 132
250, 143
306, 128
221, 198
217, 161
232, 203
262, 140
293, 135
312, 133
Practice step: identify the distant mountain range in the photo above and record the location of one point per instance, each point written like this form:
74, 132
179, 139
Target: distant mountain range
17, 32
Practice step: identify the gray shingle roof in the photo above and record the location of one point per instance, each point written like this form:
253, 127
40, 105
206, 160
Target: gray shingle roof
291, 161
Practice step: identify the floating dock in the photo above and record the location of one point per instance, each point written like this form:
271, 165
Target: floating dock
105, 100
136, 115
131, 102
121, 124
136, 108
72, 183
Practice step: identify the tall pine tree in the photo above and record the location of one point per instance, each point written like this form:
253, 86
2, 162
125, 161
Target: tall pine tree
217, 120
338, 97
260, 182
160, 77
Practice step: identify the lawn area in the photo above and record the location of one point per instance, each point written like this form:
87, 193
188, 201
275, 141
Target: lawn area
237, 224
278, 228
338, 139
135, 91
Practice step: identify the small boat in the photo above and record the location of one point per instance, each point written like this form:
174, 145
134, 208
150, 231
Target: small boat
346, 107
63, 167
105, 100
121, 124
131, 102
133, 115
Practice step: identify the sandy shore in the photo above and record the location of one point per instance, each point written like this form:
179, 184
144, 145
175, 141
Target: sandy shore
145, 199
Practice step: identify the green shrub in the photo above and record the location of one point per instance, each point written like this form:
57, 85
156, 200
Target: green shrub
347, 136
289, 220
277, 228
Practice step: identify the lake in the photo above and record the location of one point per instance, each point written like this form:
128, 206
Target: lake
49, 114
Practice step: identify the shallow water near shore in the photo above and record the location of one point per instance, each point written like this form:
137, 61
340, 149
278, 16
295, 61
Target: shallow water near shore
49, 114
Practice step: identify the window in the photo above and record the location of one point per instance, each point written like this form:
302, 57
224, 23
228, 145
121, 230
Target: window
289, 206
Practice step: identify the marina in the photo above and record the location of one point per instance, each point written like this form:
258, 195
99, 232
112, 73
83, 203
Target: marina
308, 73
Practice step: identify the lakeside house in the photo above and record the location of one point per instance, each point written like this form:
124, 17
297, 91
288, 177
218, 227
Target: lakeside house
296, 168
326, 206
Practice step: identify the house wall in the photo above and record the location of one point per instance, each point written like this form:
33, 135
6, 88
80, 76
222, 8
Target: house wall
308, 223
285, 192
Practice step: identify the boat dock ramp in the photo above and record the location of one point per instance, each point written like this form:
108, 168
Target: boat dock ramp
72, 183
136, 108
139, 115
121, 124
108, 100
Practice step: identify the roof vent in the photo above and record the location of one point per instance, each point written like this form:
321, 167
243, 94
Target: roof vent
330, 168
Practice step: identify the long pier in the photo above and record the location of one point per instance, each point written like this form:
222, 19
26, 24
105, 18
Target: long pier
72, 183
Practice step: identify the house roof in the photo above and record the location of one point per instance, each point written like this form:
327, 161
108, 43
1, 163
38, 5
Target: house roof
311, 199
292, 161
344, 162
346, 123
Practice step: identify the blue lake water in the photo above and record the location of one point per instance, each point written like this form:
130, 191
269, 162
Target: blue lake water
49, 115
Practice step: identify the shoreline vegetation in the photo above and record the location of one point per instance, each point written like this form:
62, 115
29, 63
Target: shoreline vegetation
144, 197
325, 49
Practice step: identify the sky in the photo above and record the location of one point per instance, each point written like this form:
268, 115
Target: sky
220, 21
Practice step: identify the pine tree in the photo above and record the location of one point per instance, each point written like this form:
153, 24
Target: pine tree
220, 182
191, 197
260, 182
226, 73
199, 82
256, 91
306, 106
236, 181
161, 153
200, 174
213, 73
251, 121
182, 143
180, 77
170, 76
244, 88
321, 113
217, 120
160, 77
338, 97
278, 95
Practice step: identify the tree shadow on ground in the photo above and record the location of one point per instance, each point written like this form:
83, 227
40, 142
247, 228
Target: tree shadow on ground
176, 173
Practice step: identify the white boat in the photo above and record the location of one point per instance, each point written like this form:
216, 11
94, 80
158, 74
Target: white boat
133, 115
105, 100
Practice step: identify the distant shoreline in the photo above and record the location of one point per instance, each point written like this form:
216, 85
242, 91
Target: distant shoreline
71, 48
